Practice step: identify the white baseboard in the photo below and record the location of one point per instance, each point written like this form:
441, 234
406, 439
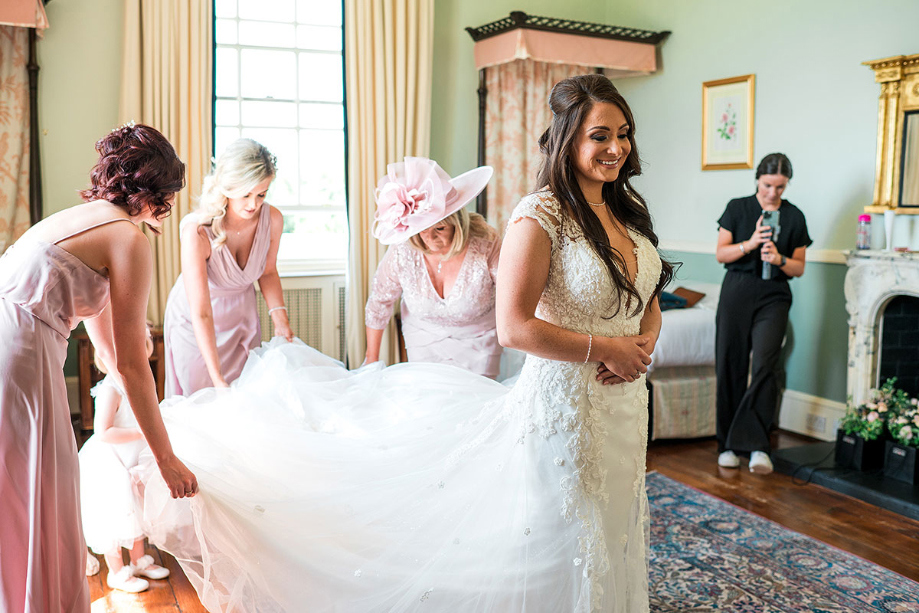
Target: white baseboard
810, 415
73, 394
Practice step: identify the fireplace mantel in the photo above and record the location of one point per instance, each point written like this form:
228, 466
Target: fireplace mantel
874, 278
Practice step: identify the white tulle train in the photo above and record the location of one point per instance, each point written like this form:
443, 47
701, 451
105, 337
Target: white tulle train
418, 487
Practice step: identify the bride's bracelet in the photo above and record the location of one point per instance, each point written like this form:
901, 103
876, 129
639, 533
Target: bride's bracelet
590, 343
277, 308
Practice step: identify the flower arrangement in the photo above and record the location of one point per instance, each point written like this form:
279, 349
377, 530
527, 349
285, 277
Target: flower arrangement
868, 420
904, 426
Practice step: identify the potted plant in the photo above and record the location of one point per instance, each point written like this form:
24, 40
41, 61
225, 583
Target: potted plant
862, 430
901, 457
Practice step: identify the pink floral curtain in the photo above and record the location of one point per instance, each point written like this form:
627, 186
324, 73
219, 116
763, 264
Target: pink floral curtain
14, 134
516, 114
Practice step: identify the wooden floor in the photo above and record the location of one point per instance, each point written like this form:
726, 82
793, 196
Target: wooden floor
875, 534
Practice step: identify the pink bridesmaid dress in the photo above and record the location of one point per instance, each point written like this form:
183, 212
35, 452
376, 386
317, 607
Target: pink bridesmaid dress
233, 302
44, 293
457, 329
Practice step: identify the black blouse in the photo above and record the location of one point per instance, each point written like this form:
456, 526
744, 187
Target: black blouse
739, 218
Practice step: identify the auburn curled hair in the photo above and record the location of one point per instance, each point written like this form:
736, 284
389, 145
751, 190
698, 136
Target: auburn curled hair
137, 168
570, 101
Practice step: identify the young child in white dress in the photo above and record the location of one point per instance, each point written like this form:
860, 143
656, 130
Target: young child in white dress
111, 503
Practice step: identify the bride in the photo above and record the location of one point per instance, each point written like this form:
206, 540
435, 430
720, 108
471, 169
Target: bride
423, 487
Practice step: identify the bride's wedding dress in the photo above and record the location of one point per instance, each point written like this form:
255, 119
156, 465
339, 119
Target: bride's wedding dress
422, 487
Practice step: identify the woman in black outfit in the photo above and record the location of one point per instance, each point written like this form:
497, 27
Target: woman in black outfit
753, 311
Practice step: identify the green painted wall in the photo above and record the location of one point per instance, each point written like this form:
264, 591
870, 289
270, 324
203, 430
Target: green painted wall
814, 101
79, 82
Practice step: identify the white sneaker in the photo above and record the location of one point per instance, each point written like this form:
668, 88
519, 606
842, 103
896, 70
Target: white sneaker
760, 463
92, 564
144, 567
728, 459
125, 581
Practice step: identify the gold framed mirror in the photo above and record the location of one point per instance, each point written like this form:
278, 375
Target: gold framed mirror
896, 181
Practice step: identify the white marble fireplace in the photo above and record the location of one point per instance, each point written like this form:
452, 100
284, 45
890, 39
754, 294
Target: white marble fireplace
873, 280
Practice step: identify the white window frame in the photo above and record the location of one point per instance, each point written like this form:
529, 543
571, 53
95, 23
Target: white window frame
287, 267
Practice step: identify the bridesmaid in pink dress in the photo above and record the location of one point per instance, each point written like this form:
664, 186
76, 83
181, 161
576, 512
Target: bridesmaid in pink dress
230, 242
442, 263
90, 262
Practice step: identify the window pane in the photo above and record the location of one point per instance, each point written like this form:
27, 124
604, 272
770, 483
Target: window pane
227, 77
319, 12
226, 113
261, 34
225, 33
321, 235
268, 74
322, 168
319, 37
267, 10
270, 114
222, 138
322, 116
225, 8
321, 77
283, 144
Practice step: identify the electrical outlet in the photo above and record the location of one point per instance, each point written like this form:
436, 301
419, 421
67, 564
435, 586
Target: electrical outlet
816, 423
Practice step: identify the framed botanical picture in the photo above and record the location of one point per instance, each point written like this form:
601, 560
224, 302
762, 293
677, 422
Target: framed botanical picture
727, 123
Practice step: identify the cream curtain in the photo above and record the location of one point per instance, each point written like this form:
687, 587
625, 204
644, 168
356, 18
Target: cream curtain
388, 66
167, 82
14, 134
516, 114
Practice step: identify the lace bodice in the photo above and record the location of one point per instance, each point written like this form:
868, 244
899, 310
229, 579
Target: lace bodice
402, 273
579, 293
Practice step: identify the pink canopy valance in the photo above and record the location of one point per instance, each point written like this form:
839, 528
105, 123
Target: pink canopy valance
628, 58
23, 13
621, 51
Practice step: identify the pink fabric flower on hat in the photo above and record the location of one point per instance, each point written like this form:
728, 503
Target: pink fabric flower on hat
395, 203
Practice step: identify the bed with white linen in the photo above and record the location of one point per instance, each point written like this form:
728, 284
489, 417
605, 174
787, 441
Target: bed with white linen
682, 371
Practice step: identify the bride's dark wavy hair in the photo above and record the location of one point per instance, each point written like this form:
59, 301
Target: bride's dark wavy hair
570, 101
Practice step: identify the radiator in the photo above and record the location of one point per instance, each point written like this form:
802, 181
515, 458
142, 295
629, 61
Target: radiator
317, 317
304, 309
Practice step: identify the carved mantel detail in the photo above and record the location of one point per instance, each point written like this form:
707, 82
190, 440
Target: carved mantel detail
874, 279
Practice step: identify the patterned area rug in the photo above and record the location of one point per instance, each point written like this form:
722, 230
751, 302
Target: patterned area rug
708, 555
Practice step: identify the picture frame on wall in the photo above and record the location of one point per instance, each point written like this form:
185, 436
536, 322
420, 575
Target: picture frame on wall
727, 123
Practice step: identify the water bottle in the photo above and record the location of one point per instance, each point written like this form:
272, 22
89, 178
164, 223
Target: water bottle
863, 233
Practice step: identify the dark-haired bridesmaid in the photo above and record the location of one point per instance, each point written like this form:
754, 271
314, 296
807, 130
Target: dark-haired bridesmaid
87, 263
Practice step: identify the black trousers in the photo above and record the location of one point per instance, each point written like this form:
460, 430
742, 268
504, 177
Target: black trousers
752, 317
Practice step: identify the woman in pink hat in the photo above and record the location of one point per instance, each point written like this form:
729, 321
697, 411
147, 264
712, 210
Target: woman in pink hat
442, 263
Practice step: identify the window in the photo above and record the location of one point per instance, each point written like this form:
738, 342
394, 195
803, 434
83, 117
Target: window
279, 78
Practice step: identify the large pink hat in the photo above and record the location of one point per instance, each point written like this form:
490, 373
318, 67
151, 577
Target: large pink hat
417, 193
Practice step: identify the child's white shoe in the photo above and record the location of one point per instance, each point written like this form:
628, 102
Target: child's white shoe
125, 581
144, 567
728, 459
92, 564
760, 463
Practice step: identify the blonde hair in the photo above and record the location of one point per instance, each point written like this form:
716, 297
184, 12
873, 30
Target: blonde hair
242, 165
465, 226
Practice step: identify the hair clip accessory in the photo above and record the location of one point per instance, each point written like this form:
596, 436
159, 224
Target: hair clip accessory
128, 124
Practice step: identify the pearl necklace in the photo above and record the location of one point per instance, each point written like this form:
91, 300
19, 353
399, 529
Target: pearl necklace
595, 203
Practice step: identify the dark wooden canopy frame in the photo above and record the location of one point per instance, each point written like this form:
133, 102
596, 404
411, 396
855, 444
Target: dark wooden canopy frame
519, 19
35, 195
